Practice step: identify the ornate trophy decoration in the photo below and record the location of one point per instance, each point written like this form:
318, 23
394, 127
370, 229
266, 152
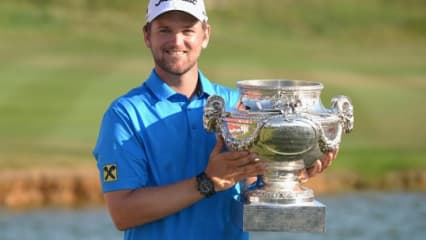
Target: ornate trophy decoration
286, 124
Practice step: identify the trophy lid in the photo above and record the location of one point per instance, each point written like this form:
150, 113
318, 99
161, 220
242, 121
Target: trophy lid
281, 94
280, 84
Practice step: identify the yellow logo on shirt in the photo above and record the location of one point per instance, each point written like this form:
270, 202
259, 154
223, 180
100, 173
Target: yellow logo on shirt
110, 172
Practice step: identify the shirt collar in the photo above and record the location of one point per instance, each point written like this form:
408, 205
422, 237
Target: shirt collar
206, 87
162, 91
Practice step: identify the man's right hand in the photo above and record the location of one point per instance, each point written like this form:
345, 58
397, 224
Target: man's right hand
225, 169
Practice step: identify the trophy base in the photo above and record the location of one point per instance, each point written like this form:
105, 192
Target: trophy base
269, 217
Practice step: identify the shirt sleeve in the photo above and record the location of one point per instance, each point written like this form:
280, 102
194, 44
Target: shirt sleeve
119, 152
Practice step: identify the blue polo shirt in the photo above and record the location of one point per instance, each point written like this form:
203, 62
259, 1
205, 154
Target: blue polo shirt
153, 136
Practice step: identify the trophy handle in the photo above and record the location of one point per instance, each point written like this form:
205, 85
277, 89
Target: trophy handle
214, 109
213, 120
342, 107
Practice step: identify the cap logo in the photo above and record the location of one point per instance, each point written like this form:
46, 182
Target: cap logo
190, 1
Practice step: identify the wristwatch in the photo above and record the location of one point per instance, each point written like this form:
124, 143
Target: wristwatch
205, 185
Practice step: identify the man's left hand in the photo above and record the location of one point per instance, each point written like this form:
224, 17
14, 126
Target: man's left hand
320, 165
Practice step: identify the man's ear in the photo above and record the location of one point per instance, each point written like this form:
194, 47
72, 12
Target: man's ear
146, 35
207, 30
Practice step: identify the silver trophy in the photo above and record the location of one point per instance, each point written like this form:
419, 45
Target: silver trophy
286, 124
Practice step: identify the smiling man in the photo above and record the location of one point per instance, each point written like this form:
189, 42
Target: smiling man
164, 176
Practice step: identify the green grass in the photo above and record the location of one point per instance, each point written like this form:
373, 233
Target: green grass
63, 62
374, 163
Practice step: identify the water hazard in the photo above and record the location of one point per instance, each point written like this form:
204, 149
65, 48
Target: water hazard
390, 216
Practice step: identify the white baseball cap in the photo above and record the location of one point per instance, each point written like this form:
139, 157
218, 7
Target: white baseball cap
194, 7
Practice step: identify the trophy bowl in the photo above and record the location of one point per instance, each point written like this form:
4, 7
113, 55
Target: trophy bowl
286, 124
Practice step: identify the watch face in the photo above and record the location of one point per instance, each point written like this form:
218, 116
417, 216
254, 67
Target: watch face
205, 186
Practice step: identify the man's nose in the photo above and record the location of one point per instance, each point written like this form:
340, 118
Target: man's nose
177, 38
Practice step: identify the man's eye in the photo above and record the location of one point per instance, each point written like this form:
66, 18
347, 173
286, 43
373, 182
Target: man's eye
188, 31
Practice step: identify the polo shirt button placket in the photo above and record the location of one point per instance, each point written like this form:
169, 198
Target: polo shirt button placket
192, 124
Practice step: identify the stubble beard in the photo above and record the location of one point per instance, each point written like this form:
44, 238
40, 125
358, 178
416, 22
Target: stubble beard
170, 67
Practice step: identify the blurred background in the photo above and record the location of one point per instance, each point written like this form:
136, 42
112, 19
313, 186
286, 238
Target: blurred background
62, 62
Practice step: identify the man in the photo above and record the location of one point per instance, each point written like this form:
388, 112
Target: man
163, 176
